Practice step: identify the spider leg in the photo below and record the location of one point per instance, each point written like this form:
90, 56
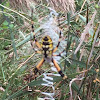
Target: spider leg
59, 69
59, 53
36, 42
55, 49
32, 23
36, 51
39, 66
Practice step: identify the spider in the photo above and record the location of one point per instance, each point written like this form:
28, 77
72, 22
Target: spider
47, 51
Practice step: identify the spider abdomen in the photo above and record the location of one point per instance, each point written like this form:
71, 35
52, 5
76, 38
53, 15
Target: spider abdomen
47, 46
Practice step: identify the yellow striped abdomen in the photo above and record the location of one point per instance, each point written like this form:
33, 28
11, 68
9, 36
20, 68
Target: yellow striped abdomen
47, 46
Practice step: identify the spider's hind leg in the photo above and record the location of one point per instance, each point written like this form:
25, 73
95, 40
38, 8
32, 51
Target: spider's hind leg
35, 71
37, 68
59, 69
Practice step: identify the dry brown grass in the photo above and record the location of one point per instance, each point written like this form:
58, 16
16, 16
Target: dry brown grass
23, 5
62, 6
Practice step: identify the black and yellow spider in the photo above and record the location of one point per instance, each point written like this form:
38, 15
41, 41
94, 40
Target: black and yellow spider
47, 51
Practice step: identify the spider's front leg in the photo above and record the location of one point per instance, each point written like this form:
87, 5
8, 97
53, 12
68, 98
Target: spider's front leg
55, 49
32, 26
59, 69
36, 42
